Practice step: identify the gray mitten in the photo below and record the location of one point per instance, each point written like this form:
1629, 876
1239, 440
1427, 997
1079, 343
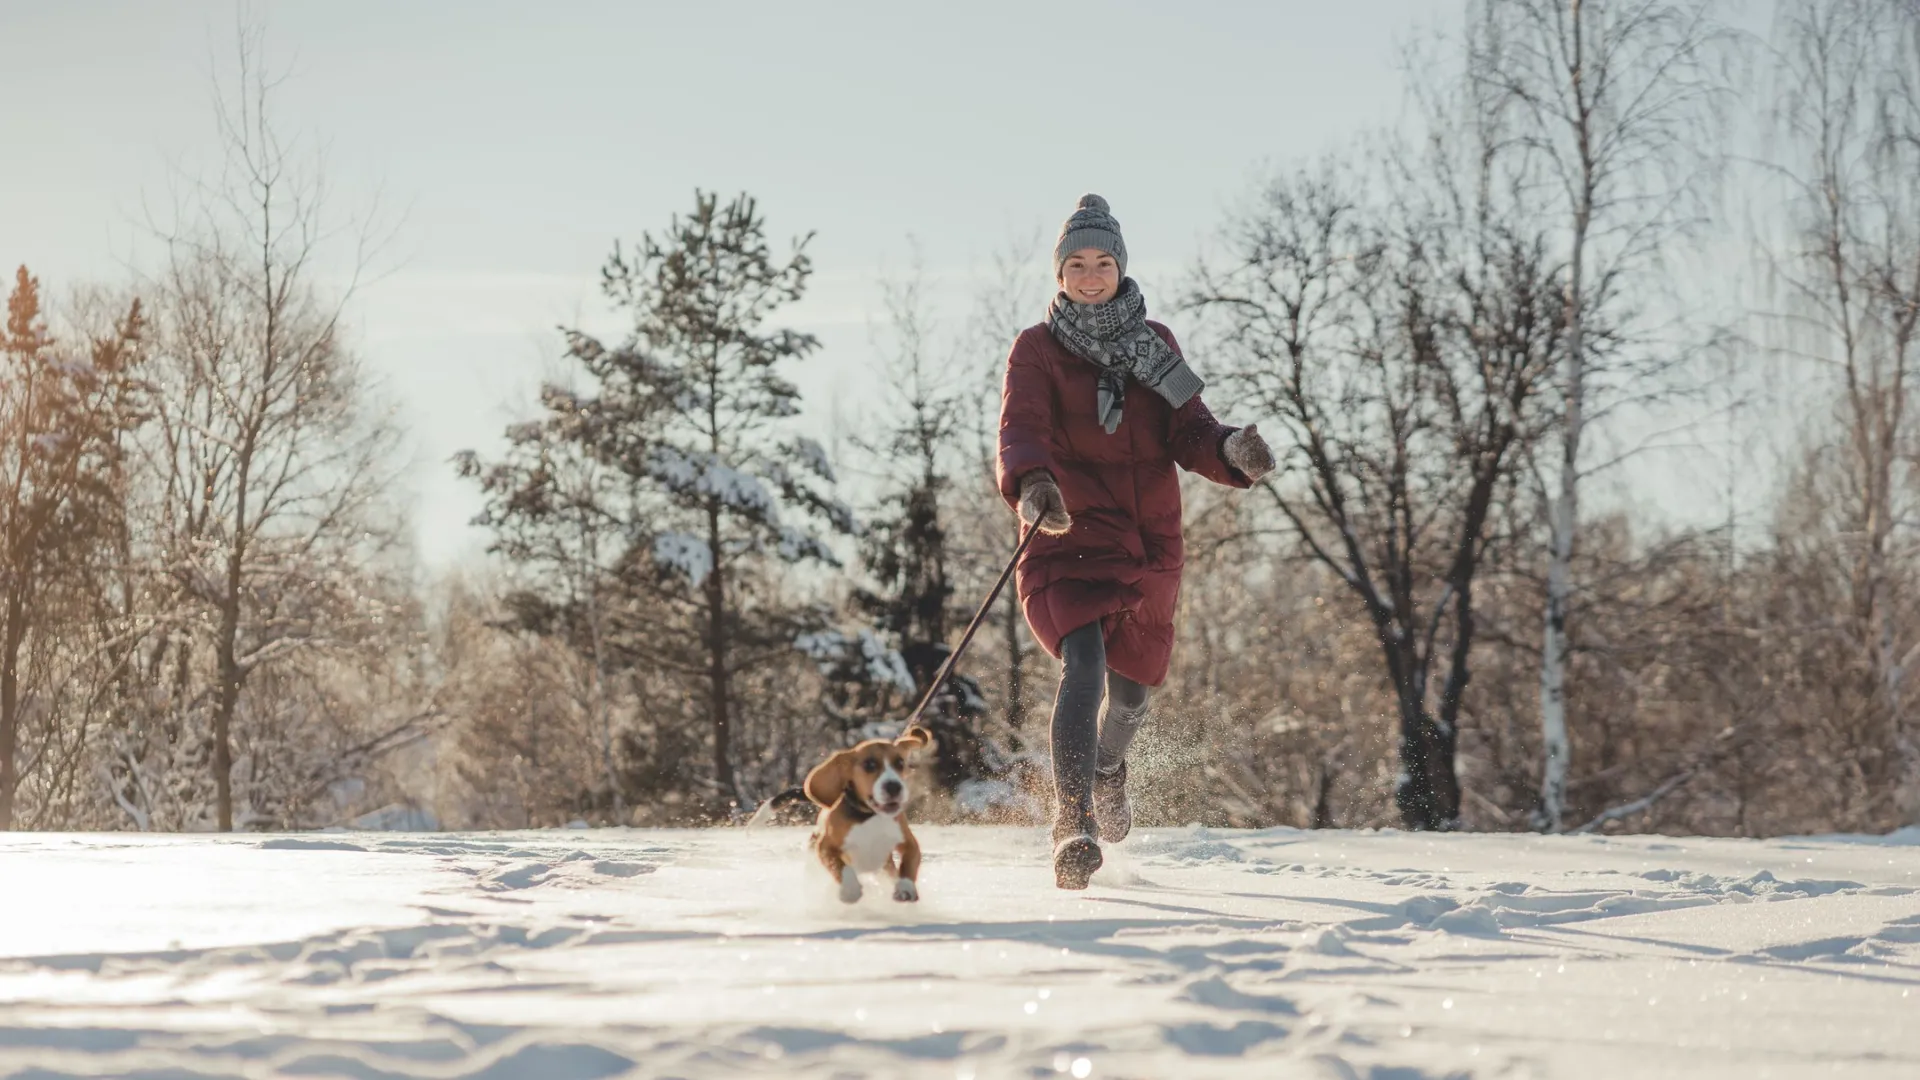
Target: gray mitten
1247, 451
1040, 501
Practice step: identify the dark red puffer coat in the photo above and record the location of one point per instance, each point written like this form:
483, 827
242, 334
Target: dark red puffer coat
1121, 561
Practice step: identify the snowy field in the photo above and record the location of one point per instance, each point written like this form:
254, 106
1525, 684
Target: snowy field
575, 954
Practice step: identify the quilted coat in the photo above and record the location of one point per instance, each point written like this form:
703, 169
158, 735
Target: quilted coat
1121, 561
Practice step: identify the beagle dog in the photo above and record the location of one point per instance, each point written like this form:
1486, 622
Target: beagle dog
862, 795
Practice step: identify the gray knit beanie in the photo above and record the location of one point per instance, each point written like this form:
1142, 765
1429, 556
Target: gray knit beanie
1091, 225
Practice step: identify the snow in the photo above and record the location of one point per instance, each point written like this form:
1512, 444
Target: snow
398, 817
739, 490
684, 553
840, 514
704, 474
777, 473
649, 953
821, 645
813, 457
988, 797
673, 467
796, 544
884, 666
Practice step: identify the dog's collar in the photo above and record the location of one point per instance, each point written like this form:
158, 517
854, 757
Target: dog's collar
855, 806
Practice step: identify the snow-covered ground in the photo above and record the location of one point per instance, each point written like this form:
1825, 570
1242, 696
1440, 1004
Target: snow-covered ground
576, 954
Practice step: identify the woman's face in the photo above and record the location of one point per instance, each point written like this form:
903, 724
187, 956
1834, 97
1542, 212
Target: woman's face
1090, 276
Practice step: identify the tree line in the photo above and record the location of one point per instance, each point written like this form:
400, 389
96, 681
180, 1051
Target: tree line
1616, 239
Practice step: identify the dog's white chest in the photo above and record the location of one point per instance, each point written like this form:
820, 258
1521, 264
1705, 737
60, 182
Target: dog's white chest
869, 843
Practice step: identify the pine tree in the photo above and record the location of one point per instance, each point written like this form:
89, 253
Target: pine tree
906, 548
710, 496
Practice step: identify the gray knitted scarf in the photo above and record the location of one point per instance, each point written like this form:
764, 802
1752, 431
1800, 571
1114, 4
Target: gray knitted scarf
1114, 337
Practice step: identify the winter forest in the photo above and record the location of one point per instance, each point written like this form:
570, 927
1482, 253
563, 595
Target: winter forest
1608, 244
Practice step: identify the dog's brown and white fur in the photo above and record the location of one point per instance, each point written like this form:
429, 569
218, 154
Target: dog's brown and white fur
862, 795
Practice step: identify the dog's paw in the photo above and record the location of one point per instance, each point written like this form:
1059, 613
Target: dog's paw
849, 885
904, 890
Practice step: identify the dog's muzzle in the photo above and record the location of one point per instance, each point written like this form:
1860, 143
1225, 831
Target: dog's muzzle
889, 795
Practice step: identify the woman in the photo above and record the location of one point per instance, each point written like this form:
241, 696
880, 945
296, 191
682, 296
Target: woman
1097, 409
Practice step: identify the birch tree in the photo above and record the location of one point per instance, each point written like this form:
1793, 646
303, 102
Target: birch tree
1613, 103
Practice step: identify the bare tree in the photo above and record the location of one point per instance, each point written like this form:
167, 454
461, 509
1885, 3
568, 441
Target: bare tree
269, 468
1850, 272
1403, 348
1612, 102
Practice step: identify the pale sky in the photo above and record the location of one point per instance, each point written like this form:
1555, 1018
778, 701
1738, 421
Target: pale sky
521, 140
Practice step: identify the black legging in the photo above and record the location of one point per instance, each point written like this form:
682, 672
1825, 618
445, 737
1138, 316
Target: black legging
1081, 735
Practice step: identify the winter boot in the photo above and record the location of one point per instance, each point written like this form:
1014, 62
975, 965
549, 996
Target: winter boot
1111, 808
1075, 854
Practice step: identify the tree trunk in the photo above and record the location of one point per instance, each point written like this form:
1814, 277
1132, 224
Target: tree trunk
1454, 690
603, 719
1324, 775
718, 698
10, 704
1428, 794
1555, 747
1561, 521
227, 699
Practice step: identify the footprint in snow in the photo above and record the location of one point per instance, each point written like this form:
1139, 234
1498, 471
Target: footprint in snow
295, 843
1209, 1040
609, 868
520, 877
1216, 992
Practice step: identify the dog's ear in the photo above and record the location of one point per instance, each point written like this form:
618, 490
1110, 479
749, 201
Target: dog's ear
829, 778
914, 738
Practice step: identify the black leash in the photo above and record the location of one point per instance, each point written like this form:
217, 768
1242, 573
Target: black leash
966, 639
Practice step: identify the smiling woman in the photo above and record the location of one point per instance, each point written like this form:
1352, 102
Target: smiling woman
1091, 255
1090, 276
1097, 408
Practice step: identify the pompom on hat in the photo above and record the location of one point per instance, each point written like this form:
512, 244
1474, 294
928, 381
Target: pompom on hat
1091, 225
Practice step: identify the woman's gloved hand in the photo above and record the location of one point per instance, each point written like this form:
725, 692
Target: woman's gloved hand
1040, 501
1247, 451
